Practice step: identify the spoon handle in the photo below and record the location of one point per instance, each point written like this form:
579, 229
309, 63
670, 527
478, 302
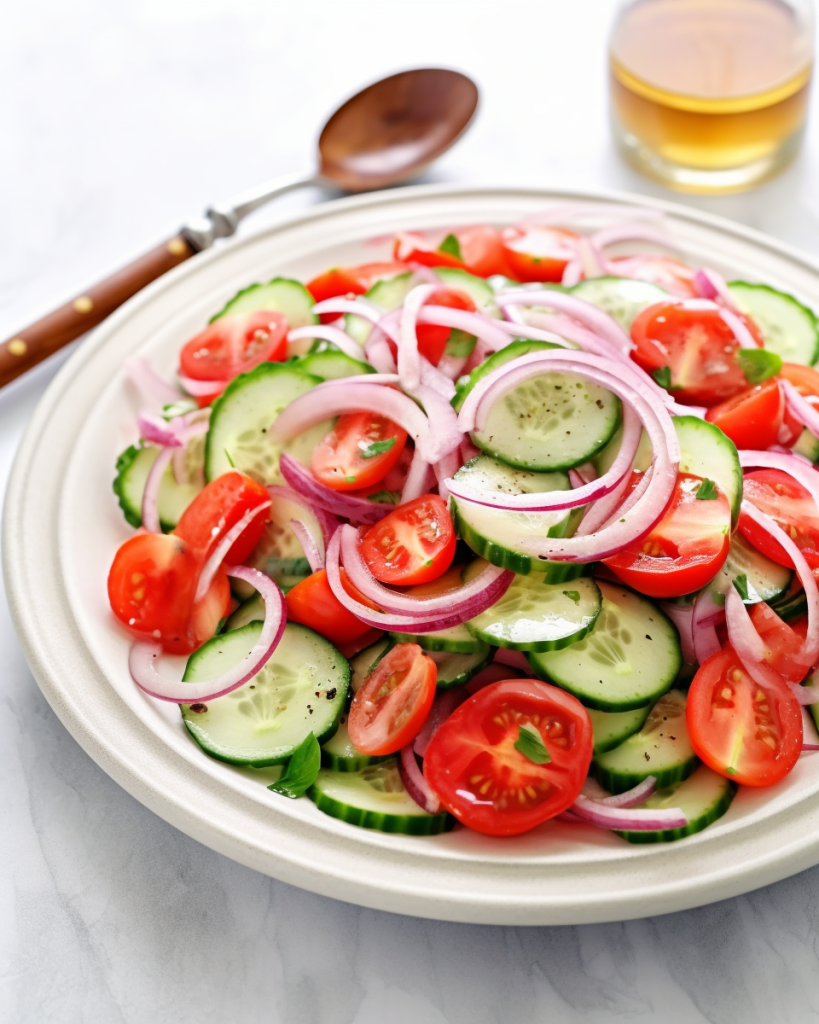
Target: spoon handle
57, 329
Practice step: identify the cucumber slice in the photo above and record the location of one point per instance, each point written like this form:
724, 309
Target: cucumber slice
791, 605
301, 689
491, 532
705, 451
703, 797
611, 728
365, 661
239, 434
661, 748
536, 616
456, 640
375, 798
331, 365
389, 294
477, 288
340, 755
251, 610
553, 421
630, 658
457, 669
282, 295
788, 328
765, 580
504, 355
621, 297
133, 467
807, 444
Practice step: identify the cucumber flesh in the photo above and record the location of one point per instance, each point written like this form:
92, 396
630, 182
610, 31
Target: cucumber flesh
553, 421
807, 444
456, 640
611, 728
503, 355
706, 452
703, 797
340, 755
629, 659
536, 616
661, 748
133, 467
301, 689
765, 580
240, 436
621, 297
282, 295
788, 327
477, 288
375, 798
332, 365
365, 661
388, 293
457, 669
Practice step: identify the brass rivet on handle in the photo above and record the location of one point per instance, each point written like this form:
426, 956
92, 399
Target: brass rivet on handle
83, 304
177, 247
18, 347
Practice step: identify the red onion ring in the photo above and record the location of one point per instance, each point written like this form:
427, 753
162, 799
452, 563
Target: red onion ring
202, 388
711, 285
572, 273
315, 558
359, 510
409, 358
800, 407
150, 496
592, 260
743, 336
482, 326
444, 469
794, 465
682, 615
217, 556
706, 614
358, 307
327, 523
327, 332
590, 316
149, 384
632, 797
415, 783
416, 481
627, 819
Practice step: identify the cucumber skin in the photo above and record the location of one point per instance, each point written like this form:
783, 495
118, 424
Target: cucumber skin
464, 677
669, 835
603, 747
124, 462
779, 294
349, 764
226, 309
429, 642
401, 824
621, 782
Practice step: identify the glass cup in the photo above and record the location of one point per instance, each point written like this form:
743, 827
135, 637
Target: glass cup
710, 95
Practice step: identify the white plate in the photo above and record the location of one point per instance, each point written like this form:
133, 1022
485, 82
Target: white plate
62, 526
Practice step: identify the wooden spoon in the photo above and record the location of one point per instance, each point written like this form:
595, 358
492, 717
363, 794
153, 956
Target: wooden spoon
384, 134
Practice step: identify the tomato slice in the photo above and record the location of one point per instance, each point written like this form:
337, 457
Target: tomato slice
235, 344
670, 274
413, 544
804, 378
432, 339
312, 603
748, 732
352, 280
694, 346
479, 250
151, 588
753, 418
359, 451
216, 509
685, 550
539, 253
783, 640
483, 778
388, 711
790, 505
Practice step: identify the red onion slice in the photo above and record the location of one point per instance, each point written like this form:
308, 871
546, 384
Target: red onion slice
632, 797
150, 496
415, 783
359, 510
148, 382
409, 358
482, 326
682, 615
445, 469
628, 819
706, 614
800, 407
327, 332
144, 657
358, 307
221, 550
314, 556
202, 388
740, 330
588, 315
710, 285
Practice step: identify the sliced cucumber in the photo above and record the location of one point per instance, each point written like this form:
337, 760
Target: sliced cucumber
765, 580
553, 421
457, 669
807, 444
365, 661
282, 294
705, 451
788, 328
792, 604
621, 297
331, 365
389, 294
456, 640
477, 288
703, 797
251, 610
629, 659
340, 755
301, 689
375, 798
239, 434
133, 467
611, 728
661, 748
536, 616
503, 355
491, 532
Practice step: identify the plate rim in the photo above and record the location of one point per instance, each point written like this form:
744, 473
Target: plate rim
296, 866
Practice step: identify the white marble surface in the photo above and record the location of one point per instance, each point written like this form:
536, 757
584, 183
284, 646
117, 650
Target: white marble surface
118, 120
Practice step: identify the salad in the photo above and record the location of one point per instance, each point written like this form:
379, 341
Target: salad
520, 524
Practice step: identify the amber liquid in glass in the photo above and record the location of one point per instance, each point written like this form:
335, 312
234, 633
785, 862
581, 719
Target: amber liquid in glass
709, 95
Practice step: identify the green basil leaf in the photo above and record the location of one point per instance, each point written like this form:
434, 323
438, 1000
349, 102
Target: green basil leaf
452, 247
741, 584
758, 364
373, 448
531, 745
388, 497
301, 770
663, 377
707, 491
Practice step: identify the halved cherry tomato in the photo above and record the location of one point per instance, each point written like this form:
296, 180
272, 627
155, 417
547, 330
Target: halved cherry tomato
790, 505
753, 418
388, 711
685, 550
235, 344
784, 641
745, 731
538, 253
432, 339
312, 603
804, 378
352, 280
413, 544
670, 274
481, 251
695, 346
216, 509
359, 451
151, 587
480, 776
